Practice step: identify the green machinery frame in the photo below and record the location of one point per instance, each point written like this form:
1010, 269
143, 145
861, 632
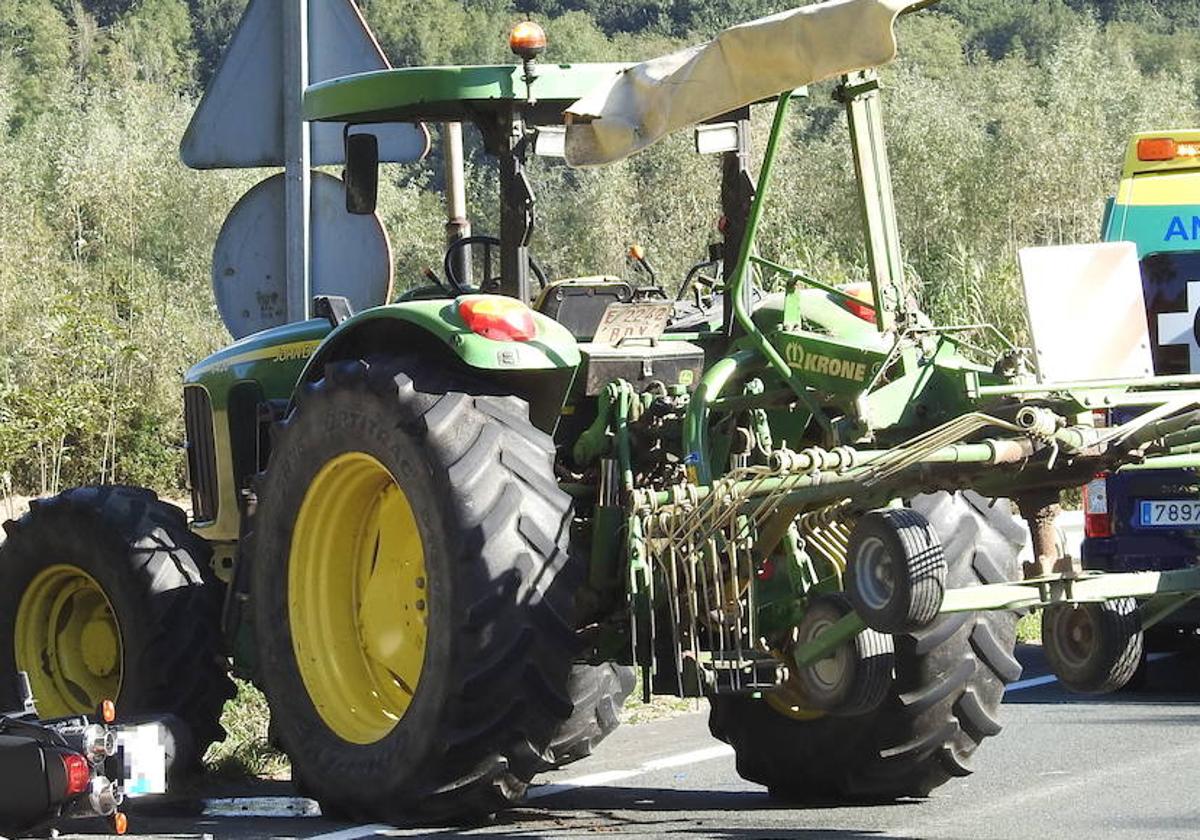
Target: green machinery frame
850, 373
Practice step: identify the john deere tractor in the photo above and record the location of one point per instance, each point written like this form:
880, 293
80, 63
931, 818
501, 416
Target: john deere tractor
445, 529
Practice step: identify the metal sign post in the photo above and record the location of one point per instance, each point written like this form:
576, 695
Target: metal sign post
297, 160
285, 242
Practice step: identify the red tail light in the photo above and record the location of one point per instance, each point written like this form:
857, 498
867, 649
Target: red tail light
1097, 521
79, 774
498, 318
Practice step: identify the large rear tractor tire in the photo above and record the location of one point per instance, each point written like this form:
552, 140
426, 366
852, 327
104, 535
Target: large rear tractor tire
949, 682
105, 594
598, 693
413, 593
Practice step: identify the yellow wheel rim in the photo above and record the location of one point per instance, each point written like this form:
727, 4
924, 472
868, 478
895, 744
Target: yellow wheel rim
358, 602
68, 641
788, 701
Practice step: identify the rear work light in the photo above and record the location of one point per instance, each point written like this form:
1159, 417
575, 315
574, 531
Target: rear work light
1097, 522
79, 774
498, 318
1164, 148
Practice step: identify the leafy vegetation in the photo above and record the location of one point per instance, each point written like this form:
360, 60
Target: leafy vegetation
246, 750
1006, 121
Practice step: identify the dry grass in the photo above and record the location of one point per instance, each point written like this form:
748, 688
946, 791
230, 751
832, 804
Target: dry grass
636, 711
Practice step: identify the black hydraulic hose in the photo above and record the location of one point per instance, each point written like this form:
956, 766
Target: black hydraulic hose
1163, 428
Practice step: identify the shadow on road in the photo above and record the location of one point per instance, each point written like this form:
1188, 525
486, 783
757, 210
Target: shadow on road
663, 812
1172, 677
613, 811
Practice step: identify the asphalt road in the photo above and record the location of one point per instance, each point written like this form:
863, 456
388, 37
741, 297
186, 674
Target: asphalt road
1065, 766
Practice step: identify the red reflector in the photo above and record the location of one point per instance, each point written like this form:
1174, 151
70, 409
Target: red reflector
1097, 522
497, 318
861, 302
1097, 525
1157, 148
79, 774
862, 310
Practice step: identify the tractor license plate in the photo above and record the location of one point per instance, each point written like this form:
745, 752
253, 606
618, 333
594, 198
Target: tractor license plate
632, 321
1169, 513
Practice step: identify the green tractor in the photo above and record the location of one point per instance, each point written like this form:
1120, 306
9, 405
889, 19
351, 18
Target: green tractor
444, 530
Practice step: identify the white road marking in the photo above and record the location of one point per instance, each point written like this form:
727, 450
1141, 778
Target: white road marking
358, 831
610, 776
1032, 682
261, 806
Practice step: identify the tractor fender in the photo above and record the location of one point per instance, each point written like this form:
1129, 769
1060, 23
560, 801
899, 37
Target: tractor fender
540, 370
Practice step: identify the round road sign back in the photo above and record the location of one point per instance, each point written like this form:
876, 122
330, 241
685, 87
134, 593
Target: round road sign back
351, 255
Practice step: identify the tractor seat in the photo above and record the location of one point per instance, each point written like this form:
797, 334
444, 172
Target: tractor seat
578, 303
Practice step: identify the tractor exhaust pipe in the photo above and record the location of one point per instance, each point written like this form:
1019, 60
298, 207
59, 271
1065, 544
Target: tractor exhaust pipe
458, 226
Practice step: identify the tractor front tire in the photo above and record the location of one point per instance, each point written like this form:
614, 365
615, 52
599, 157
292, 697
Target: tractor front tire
413, 592
106, 594
949, 682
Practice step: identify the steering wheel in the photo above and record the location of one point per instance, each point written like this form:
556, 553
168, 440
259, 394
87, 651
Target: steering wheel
487, 269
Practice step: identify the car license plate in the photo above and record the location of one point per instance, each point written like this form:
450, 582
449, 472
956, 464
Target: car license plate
145, 751
632, 321
1169, 513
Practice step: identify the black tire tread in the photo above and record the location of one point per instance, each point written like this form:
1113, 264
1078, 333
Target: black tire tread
919, 585
1117, 657
180, 667
598, 693
514, 634
943, 705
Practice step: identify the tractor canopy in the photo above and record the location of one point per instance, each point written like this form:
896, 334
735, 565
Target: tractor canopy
744, 64
456, 94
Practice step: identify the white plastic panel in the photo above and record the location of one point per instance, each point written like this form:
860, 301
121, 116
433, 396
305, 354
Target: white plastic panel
1087, 315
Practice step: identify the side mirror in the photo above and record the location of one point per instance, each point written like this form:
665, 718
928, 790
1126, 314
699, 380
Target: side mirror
362, 173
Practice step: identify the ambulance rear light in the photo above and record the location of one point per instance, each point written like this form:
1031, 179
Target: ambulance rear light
1097, 521
1159, 149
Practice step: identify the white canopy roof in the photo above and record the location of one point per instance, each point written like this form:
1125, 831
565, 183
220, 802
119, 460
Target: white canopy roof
744, 64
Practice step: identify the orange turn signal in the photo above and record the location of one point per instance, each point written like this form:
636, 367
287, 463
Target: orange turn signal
637, 252
108, 711
527, 40
1164, 148
498, 318
1157, 148
120, 824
